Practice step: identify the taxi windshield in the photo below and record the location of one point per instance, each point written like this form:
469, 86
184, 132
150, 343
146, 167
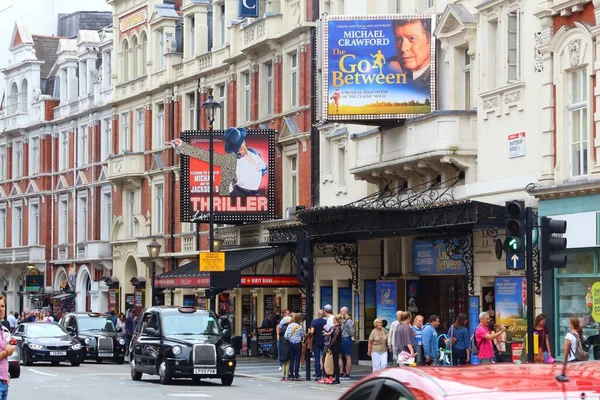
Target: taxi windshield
190, 324
96, 324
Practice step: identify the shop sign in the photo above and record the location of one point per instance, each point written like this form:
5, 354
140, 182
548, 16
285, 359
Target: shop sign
516, 145
272, 281
387, 301
138, 298
595, 301
200, 282
431, 258
212, 261
266, 339
34, 283
133, 20
248, 9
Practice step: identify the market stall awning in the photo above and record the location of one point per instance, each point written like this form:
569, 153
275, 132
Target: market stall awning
190, 276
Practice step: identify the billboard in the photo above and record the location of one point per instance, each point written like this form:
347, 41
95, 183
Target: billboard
378, 67
512, 306
244, 175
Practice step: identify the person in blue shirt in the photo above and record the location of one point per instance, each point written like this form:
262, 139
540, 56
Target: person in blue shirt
460, 349
316, 328
430, 339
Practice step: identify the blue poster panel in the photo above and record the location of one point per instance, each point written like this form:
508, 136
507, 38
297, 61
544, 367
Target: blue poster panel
386, 301
430, 258
511, 306
248, 8
473, 314
326, 296
345, 298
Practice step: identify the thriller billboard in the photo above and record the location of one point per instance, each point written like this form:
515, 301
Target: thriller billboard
378, 67
244, 175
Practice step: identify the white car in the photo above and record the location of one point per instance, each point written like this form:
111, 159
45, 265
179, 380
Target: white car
14, 361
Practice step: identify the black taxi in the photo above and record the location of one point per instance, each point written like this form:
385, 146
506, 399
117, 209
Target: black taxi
180, 342
98, 336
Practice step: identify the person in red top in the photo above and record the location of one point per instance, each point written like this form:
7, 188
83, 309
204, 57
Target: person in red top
485, 339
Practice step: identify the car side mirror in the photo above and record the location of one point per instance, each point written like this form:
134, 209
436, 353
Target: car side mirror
151, 332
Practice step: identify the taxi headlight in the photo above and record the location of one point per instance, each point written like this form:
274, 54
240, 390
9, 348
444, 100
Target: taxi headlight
122, 342
88, 340
176, 350
34, 346
229, 351
76, 346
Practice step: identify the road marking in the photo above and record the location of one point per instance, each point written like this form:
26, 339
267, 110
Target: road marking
40, 372
189, 395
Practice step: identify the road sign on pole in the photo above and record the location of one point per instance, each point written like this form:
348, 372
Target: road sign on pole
515, 261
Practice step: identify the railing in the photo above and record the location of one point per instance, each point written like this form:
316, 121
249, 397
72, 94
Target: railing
178, 69
74, 107
63, 253
81, 251
22, 254
205, 61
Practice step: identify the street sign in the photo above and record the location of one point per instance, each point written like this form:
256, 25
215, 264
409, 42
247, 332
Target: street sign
212, 262
595, 301
516, 145
515, 261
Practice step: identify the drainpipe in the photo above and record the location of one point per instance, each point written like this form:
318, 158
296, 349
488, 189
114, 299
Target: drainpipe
172, 191
314, 132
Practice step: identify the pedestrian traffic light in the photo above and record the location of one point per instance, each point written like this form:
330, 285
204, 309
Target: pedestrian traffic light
551, 244
515, 234
305, 262
306, 269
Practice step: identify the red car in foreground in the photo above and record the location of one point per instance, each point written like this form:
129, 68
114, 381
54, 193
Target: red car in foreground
489, 382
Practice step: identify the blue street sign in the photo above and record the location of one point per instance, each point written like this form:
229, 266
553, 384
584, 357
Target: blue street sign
248, 9
515, 260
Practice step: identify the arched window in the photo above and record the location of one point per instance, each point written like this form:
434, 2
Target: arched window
23, 96
11, 104
144, 45
134, 57
125, 60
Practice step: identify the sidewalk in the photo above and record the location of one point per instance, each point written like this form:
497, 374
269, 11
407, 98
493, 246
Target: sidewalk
267, 368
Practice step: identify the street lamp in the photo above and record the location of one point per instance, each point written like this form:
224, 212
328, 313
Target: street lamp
153, 252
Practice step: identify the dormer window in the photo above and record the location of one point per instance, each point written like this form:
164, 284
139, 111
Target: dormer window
160, 37
192, 29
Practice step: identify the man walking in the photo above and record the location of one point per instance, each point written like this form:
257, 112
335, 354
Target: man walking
6, 350
316, 328
130, 323
347, 335
485, 340
430, 339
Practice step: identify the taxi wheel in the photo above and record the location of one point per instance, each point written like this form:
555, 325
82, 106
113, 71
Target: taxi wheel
196, 380
120, 361
227, 380
164, 374
135, 375
55, 363
99, 361
75, 363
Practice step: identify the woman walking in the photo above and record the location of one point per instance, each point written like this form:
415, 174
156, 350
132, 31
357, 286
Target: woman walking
335, 346
284, 349
294, 335
541, 330
460, 347
573, 340
378, 350
403, 340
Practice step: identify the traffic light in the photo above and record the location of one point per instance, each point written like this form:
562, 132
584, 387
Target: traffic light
306, 269
305, 262
551, 244
516, 224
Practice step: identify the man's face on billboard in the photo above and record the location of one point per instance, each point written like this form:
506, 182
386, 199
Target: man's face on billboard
412, 46
524, 291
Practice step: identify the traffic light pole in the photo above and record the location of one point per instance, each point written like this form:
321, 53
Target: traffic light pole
529, 277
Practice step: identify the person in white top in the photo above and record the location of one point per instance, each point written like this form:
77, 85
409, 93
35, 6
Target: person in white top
572, 338
12, 321
49, 318
393, 327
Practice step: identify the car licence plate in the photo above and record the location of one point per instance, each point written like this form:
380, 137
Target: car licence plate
105, 354
58, 353
204, 371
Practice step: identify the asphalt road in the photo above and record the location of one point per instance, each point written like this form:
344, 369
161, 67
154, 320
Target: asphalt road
92, 381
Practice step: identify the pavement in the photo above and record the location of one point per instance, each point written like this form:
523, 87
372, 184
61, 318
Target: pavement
91, 381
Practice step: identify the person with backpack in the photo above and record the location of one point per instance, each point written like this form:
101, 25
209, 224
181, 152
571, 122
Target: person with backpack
430, 340
482, 341
283, 348
575, 350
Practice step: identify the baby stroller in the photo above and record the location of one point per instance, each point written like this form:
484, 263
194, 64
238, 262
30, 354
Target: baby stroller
445, 351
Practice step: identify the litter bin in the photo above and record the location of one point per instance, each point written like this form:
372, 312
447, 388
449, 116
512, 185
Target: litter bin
236, 343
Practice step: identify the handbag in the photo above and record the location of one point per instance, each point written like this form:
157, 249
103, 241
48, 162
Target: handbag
329, 363
452, 337
404, 358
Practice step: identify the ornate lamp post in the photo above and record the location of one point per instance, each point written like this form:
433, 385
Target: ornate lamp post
153, 251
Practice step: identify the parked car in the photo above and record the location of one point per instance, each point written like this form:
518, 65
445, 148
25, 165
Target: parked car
490, 382
97, 335
41, 341
14, 361
180, 342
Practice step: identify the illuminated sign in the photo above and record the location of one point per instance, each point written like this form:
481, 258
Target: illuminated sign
378, 67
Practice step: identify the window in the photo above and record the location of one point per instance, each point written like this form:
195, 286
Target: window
139, 130
191, 102
135, 48
106, 140
17, 226
83, 151
63, 152
270, 88
131, 212
467, 79
161, 49
106, 214
34, 224
34, 156
341, 166
125, 132
221, 113
82, 219
494, 73
2, 227
159, 209
293, 191
578, 123
17, 159
3, 164
192, 37
247, 99
63, 220
513, 48
107, 70
293, 79
144, 54
160, 126
222, 25
125, 60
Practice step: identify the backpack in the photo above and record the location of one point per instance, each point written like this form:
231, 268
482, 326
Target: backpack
473, 345
349, 327
582, 351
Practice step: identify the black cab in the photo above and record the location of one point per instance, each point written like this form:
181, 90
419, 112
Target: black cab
98, 336
180, 342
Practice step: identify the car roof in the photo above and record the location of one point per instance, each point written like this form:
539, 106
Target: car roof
87, 314
175, 309
525, 381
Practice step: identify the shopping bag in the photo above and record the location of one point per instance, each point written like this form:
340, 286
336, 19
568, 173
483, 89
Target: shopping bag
404, 358
329, 363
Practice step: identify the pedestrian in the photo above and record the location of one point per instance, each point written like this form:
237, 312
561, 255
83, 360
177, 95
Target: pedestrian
404, 339
49, 318
316, 328
294, 335
544, 354
460, 346
6, 350
130, 324
113, 317
573, 341
378, 349
327, 329
335, 348
121, 321
285, 313
13, 321
418, 334
484, 339
283, 348
392, 333
347, 335
430, 340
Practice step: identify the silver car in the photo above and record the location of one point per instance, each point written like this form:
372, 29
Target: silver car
14, 361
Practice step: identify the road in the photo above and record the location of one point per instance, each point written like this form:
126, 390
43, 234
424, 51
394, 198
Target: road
91, 381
